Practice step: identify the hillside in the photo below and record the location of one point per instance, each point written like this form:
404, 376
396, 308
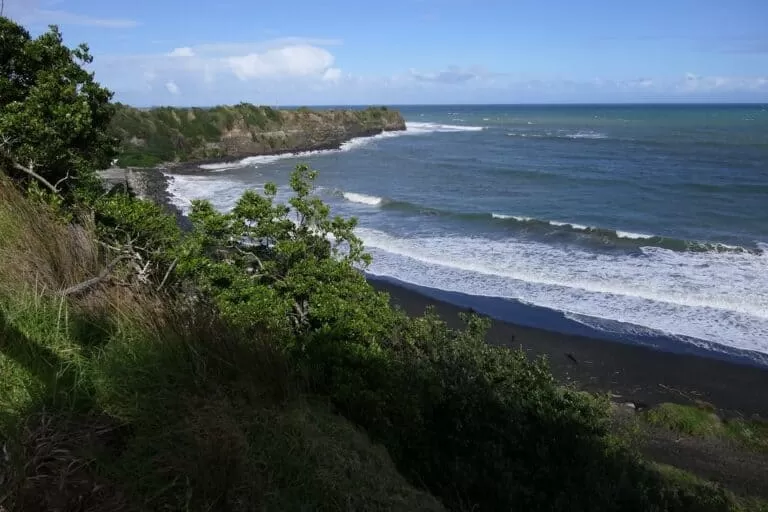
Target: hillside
165, 134
246, 363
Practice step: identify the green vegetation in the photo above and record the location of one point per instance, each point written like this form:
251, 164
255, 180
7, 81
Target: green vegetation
248, 365
53, 115
150, 137
699, 421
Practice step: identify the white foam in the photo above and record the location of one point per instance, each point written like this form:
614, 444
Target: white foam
508, 217
633, 236
586, 135
717, 297
412, 128
224, 193
579, 227
560, 135
415, 127
253, 161
362, 199
223, 166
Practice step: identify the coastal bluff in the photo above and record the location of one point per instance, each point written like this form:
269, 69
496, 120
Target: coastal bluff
170, 135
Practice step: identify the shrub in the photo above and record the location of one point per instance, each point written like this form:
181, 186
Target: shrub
291, 268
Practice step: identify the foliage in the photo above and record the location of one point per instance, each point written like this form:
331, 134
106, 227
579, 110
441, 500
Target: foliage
53, 115
689, 420
127, 400
291, 268
150, 137
694, 420
125, 222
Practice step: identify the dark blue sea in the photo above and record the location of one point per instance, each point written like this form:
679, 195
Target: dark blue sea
642, 224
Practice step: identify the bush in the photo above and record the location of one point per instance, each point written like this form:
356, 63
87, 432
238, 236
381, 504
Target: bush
290, 268
127, 223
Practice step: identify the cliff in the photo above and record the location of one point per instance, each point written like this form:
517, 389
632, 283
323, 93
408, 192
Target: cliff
163, 135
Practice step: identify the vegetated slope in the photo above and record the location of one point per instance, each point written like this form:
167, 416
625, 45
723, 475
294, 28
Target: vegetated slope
147, 369
165, 134
121, 400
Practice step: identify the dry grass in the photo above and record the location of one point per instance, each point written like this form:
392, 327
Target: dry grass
53, 466
37, 248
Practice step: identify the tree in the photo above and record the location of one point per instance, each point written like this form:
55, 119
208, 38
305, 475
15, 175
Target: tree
53, 114
290, 268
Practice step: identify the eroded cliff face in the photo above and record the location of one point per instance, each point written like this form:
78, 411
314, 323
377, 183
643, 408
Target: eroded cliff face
304, 131
174, 135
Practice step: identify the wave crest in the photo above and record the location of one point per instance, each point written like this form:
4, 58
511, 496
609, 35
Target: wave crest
419, 127
354, 197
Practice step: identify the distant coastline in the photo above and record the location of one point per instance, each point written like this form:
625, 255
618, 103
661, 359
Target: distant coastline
179, 137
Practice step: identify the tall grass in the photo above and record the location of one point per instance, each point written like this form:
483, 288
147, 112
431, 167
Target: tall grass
126, 399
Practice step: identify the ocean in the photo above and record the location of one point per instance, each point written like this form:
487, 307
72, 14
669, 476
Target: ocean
642, 224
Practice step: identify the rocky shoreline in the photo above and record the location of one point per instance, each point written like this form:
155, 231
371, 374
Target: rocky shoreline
147, 183
195, 136
152, 182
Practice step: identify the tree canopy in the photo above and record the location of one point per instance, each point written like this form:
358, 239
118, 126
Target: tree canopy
53, 114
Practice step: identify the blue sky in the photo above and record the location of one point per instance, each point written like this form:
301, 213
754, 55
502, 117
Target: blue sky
305, 52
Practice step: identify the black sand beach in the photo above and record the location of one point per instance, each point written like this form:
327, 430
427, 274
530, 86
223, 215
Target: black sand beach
630, 373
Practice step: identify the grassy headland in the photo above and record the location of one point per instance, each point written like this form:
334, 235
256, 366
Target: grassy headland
165, 134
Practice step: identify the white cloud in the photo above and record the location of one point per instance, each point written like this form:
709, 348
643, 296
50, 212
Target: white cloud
703, 84
452, 75
172, 88
332, 75
185, 51
242, 71
305, 71
289, 61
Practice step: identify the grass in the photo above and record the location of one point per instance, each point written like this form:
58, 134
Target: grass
166, 134
125, 400
689, 420
702, 421
688, 482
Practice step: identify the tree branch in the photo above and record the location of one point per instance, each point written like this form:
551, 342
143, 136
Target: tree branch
168, 273
31, 172
85, 285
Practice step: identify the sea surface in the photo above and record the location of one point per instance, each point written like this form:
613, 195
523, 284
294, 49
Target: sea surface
642, 224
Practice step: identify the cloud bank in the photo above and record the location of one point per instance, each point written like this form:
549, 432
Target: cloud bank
296, 71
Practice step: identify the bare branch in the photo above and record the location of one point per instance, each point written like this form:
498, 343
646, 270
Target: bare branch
248, 253
85, 285
168, 273
29, 170
62, 180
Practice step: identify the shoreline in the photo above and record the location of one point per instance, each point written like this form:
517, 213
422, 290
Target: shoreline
189, 165
633, 373
645, 374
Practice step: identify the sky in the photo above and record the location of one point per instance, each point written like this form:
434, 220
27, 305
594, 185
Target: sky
345, 52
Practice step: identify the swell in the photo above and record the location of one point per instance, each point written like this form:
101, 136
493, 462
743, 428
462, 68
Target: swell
586, 136
544, 228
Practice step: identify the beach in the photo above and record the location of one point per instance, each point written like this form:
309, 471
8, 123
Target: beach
630, 373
